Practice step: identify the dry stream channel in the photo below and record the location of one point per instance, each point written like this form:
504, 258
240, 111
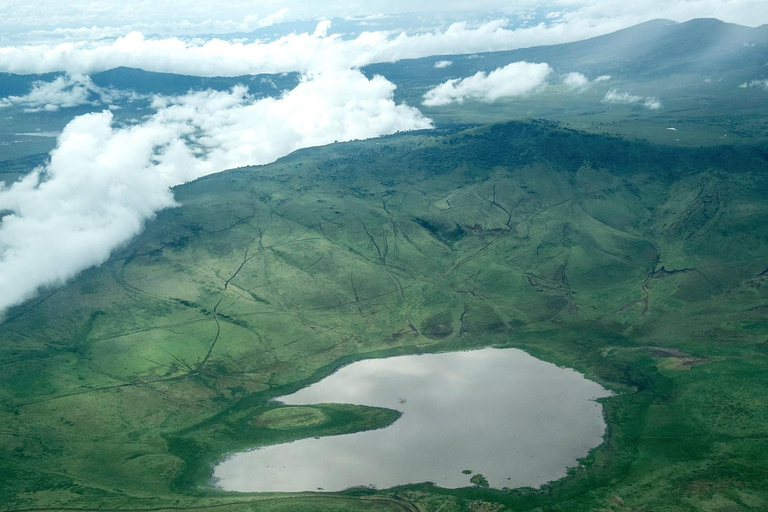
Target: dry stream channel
501, 413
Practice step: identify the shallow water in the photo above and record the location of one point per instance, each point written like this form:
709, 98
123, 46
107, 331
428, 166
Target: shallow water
515, 419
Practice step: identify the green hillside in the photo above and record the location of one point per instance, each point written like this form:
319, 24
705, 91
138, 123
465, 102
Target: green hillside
643, 266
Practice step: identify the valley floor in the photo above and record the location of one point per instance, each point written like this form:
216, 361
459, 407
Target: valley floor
645, 267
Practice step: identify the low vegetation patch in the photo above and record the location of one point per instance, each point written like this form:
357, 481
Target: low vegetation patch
287, 418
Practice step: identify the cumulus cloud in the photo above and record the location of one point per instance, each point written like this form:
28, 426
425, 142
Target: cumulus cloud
652, 103
755, 83
614, 96
516, 79
103, 182
576, 81
66, 91
294, 52
443, 64
580, 82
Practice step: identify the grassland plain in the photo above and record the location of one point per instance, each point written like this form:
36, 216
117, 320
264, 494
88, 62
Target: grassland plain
643, 266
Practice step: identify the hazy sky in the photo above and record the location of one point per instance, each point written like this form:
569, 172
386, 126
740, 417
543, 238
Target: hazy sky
30, 19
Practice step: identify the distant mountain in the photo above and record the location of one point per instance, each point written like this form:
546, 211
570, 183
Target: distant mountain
148, 82
648, 51
645, 52
19, 85
693, 68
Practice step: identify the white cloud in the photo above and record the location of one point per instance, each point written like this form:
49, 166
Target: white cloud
152, 24
65, 92
103, 181
516, 79
293, 52
370, 17
194, 17
252, 21
652, 103
249, 23
755, 83
614, 96
322, 28
443, 64
576, 81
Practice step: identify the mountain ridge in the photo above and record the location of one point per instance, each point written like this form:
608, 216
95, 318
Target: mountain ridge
625, 53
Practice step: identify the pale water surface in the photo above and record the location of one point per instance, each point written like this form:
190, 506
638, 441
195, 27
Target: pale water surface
515, 419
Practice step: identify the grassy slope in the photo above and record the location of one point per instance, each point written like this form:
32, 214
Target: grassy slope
642, 266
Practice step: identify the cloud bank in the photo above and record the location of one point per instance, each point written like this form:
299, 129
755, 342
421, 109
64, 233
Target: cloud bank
103, 182
516, 79
294, 52
65, 92
248, 23
614, 96
98, 18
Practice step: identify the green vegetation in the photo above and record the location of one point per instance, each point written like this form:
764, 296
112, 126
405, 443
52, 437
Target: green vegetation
643, 266
479, 480
286, 418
